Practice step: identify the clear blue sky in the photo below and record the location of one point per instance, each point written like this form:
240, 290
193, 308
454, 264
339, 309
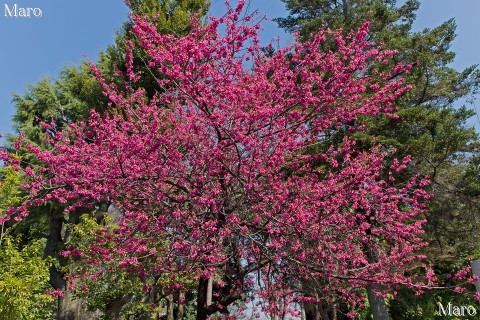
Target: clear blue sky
38, 47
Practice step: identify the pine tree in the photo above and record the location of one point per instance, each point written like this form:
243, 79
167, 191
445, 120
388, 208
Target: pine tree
431, 127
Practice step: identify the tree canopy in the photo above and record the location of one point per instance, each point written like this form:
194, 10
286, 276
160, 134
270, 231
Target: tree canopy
213, 176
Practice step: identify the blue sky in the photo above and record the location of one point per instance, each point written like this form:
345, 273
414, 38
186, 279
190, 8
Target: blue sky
68, 29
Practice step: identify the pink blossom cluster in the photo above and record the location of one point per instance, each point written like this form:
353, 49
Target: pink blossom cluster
242, 165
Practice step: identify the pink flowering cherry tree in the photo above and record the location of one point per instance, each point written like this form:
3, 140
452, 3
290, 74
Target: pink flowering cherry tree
229, 174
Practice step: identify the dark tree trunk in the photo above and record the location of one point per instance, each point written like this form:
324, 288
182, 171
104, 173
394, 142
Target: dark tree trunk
334, 311
68, 307
310, 312
181, 307
115, 306
170, 307
202, 298
71, 309
377, 303
315, 311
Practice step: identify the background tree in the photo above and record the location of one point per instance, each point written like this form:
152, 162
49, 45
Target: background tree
430, 126
24, 281
23, 271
